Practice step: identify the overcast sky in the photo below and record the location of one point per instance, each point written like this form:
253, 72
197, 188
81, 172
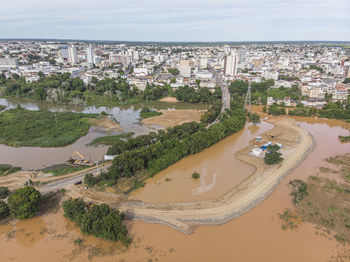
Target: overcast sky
176, 20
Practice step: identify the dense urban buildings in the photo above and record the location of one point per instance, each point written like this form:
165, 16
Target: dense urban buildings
317, 70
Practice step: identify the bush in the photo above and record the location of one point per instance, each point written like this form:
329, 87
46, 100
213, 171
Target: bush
4, 192
90, 180
195, 175
254, 118
4, 210
24, 202
299, 189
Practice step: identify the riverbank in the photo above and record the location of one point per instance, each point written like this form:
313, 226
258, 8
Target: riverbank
171, 118
185, 216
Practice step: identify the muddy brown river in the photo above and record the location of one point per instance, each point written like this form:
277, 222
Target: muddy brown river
255, 236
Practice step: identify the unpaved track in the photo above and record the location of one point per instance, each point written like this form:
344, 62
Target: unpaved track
185, 216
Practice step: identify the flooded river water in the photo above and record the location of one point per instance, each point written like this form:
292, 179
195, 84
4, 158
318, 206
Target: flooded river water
255, 236
33, 158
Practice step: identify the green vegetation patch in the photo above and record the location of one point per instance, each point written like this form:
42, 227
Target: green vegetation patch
195, 175
147, 113
2, 107
20, 127
344, 139
8, 169
326, 202
58, 170
272, 155
98, 220
110, 140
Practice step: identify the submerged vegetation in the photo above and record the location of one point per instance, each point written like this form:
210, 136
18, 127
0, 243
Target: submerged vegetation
344, 139
110, 140
97, 220
8, 169
20, 127
325, 202
147, 113
195, 175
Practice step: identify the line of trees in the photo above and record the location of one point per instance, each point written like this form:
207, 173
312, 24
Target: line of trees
64, 88
155, 152
200, 95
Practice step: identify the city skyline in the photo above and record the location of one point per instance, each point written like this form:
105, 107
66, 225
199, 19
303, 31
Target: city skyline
183, 21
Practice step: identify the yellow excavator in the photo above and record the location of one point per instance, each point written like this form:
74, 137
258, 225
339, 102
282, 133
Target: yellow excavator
79, 162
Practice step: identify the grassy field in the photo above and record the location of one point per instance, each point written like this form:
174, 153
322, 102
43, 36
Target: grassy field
8, 169
63, 169
2, 107
110, 140
20, 127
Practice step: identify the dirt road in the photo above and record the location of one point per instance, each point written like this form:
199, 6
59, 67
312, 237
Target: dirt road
185, 216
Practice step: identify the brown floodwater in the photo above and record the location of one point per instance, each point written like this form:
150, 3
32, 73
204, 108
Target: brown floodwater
255, 236
33, 158
218, 167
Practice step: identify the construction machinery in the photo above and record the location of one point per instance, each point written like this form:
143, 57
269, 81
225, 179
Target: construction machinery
81, 161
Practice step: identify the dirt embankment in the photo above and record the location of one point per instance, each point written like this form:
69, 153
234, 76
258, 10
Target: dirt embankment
106, 124
171, 118
297, 144
169, 99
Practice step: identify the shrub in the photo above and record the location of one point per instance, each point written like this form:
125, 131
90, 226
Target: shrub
195, 175
299, 189
4, 210
4, 192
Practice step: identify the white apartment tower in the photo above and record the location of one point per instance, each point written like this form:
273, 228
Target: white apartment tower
72, 55
89, 57
231, 61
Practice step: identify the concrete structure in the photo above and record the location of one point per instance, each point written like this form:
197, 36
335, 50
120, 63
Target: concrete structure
231, 61
184, 68
89, 57
72, 55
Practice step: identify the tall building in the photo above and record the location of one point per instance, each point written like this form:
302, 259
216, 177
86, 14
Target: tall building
231, 61
89, 57
72, 55
241, 55
185, 68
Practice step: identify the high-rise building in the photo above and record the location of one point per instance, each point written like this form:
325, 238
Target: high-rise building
89, 57
241, 56
72, 55
185, 68
231, 61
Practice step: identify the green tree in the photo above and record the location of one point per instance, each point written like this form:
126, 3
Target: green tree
272, 156
254, 118
74, 209
4, 210
90, 180
24, 202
